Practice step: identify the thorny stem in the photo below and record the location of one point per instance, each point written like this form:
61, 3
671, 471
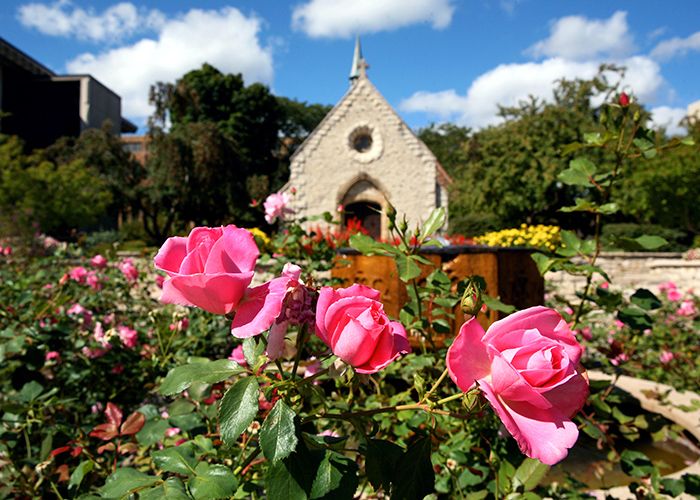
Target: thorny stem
435, 386
349, 415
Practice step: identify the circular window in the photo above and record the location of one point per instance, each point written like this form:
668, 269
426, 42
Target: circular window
364, 142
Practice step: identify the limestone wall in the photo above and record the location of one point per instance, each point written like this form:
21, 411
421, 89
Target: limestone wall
631, 270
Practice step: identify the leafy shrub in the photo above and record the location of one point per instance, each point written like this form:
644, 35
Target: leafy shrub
613, 232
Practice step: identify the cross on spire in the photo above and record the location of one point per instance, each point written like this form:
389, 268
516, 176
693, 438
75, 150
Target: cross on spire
359, 65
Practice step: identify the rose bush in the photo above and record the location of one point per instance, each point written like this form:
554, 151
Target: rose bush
352, 322
211, 268
527, 365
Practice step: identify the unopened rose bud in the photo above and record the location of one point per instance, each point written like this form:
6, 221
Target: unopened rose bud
624, 100
471, 298
391, 215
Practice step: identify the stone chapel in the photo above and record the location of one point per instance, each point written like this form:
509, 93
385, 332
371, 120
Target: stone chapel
363, 156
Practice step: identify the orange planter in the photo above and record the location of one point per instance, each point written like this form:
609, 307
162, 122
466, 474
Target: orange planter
509, 273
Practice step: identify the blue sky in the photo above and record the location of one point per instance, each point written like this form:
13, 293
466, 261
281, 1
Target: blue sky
434, 60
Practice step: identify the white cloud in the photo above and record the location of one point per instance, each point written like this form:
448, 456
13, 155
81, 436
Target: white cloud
580, 39
508, 84
669, 119
676, 46
62, 18
224, 38
344, 18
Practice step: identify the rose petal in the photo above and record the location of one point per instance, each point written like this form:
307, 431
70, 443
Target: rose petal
510, 385
391, 345
275, 341
234, 252
353, 344
218, 294
171, 254
570, 396
467, 360
259, 308
358, 290
203, 235
326, 297
545, 435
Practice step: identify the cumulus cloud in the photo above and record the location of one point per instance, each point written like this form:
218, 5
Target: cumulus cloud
116, 22
508, 84
673, 47
182, 44
579, 38
669, 119
344, 18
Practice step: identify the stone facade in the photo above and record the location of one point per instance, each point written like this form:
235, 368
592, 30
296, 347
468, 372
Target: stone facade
362, 152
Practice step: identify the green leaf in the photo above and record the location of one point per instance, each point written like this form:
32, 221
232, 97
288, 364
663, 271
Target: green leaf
593, 138
579, 173
366, 245
30, 391
688, 141
530, 473
79, 473
280, 483
171, 489
178, 459
414, 475
277, 436
635, 318
212, 482
238, 409
644, 242
408, 268
435, 221
581, 205
336, 478
380, 462
543, 262
672, 487
180, 378
645, 299
636, 464
571, 244
252, 350
495, 304
126, 481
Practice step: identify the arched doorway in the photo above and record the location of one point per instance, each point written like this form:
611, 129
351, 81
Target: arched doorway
368, 214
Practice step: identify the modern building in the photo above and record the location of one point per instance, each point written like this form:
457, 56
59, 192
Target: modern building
40, 106
137, 146
364, 157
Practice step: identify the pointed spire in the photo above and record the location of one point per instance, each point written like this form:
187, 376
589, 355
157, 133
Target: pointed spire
359, 66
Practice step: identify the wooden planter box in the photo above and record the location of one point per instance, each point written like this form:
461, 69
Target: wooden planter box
510, 274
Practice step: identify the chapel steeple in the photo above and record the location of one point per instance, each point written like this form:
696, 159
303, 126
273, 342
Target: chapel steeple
359, 65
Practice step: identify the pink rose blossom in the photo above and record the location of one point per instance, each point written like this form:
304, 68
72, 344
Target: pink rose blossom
127, 336
117, 369
669, 285
172, 431
527, 366
78, 274
276, 207
98, 334
209, 269
93, 352
7, 251
666, 357
96, 408
604, 285
53, 356
687, 308
352, 322
78, 310
180, 325
237, 355
619, 324
585, 332
128, 269
93, 281
275, 305
98, 261
673, 295
619, 359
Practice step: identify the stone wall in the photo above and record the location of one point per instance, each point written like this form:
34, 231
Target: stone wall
631, 270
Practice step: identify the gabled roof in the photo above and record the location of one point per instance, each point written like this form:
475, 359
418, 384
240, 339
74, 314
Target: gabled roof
13, 55
362, 89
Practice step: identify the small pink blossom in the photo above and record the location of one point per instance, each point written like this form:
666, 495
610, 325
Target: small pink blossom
172, 431
276, 207
619, 359
180, 325
668, 285
78, 310
108, 319
128, 336
7, 251
99, 335
48, 286
619, 324
53, 356
93, 352
164, 414
78, 274
93, 281
117, 369
585, 332
128, 269
98, 261
237, 355
96, 408
604, 285
666, 356
687, 308
674, 295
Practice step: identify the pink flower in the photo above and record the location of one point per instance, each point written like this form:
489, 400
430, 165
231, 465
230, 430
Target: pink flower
673, 295
128, 269
93, 281
180, 325
666, 357
604, 285
585, 332
624, 100
275, 305
7, 251
687, 308
669, 285
172, 431
160, 279
237, 355
98, 261
619, 359
117, 369
93, 352
352, 322
98, 334
78, 310
53, 356
78, 274
276, 207
127, 336
619, 324
527, 366
210, 269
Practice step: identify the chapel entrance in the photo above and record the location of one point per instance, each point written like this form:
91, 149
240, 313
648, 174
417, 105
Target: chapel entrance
366, 213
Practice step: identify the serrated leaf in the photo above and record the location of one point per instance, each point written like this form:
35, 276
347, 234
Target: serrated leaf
635, 318
673, 487
593, 138
366, 245
152, 432
435, 221
579, 173
688, 141
543, 263
495, 304
644, 242
277, 434
177, 459
280, 483
180, 378
79, 473
636, 464
125, 481
171, 489
212, 482
336, 478
238, 409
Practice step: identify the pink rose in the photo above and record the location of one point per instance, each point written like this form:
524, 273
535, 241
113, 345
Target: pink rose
666, 357
687, 308
276, 207
238, 356
352, 322
98, 261
128, 269
527, 366
93, 280
210, 269
53, 356
673, 295
78, 274
128, 336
